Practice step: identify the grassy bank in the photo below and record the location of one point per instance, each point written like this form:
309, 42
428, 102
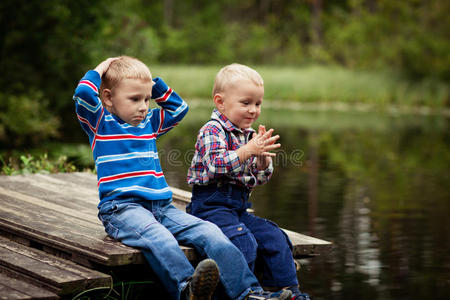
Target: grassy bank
317, 84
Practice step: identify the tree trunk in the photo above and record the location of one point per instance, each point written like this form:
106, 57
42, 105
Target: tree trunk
313, 184
371, 6
168, 12
316, 22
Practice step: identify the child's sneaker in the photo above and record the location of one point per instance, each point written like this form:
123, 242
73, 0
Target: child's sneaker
297, 294
204, 281
280, 295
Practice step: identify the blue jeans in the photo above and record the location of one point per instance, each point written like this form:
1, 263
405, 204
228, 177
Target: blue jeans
156, 227
226, 206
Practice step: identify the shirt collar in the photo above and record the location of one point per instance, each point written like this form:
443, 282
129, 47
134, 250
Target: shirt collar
216, 115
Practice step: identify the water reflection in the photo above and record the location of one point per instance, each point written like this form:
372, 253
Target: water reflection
374, 184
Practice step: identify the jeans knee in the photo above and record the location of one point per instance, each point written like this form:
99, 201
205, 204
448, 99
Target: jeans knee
211, 233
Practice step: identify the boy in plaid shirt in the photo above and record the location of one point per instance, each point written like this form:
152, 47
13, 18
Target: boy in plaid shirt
230, 159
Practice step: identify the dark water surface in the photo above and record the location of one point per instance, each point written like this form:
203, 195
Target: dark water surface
376, 185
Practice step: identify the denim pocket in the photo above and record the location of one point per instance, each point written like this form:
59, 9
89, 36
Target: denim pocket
106, 215
242, 238
111, 230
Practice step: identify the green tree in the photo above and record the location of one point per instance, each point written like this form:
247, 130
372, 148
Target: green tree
43, 52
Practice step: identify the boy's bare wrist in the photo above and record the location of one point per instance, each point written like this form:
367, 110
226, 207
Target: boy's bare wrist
262, 163
244, 152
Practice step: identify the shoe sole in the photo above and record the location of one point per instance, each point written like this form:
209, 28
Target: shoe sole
204, 280
285, 295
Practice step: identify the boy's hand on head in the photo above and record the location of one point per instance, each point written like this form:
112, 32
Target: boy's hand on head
104, 65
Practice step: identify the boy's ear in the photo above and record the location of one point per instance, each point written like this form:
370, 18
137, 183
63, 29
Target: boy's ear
218, 101
107, 97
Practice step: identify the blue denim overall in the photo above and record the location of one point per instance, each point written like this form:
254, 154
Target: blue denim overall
226, 205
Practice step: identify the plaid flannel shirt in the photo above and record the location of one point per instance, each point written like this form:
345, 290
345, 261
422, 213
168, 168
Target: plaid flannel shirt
215, 158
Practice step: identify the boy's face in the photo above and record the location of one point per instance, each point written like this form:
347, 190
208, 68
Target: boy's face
130, 100
240, 102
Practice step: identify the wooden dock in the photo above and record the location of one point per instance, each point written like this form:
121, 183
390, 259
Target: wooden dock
53, 245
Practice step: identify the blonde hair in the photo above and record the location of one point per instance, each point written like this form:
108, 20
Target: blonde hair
125, 67
233, 73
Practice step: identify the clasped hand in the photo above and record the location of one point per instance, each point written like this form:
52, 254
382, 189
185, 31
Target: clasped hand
262, 143
260, 146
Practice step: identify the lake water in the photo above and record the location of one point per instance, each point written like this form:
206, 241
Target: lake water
376, 185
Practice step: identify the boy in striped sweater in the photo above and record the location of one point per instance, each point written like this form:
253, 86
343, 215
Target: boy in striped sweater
112, 106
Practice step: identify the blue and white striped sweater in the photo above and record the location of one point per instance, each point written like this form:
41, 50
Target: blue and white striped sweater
125, 156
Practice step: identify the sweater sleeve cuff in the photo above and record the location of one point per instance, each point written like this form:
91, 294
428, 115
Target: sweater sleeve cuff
93, 77
159, 88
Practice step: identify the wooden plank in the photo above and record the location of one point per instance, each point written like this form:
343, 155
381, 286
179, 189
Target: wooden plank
44, 205
59, 211
307, 246
54, 191
79, 178
61, 276
67, 230
15, 289
64, 232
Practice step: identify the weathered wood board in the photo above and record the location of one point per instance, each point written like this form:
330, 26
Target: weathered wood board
14, 289
59, 213
46, 271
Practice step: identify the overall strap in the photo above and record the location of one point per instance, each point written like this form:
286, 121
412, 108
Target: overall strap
230, 143
229, 139
227, 134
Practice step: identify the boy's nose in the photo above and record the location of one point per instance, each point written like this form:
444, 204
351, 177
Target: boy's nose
143, 107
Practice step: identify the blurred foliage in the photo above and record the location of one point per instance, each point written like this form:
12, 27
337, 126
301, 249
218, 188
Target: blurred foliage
27, 118
317, 84
409, 35
47, 158
46, 46
44, 50
27, 164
